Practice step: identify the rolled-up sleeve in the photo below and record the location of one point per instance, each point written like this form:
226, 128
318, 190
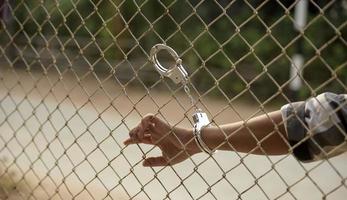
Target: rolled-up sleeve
316, 128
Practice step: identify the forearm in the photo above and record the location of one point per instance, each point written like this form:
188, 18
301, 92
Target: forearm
261, 135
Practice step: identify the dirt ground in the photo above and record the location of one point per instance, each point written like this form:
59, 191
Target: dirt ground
63, 136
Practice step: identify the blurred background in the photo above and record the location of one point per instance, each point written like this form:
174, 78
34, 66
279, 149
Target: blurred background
76, 77
218, 35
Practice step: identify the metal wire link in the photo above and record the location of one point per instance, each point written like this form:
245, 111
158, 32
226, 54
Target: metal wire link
179, 75
77, 75
187, 91
176, 73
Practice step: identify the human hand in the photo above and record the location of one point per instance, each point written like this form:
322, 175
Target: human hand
176, 144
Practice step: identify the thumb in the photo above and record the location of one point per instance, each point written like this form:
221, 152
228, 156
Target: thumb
155, 162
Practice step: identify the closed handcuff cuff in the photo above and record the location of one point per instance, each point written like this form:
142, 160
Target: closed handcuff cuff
178, 74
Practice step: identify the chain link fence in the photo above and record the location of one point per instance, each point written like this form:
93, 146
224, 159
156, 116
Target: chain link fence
75, 78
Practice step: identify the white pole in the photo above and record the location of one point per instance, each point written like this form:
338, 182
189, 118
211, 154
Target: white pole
300, 16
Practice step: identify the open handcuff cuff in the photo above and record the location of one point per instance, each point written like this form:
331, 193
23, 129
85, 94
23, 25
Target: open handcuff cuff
178, 74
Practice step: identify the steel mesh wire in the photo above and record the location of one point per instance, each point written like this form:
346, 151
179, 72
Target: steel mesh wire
76, 78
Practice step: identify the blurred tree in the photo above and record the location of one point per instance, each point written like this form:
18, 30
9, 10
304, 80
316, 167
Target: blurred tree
214, 39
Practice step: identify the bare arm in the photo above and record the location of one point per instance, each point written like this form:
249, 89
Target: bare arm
177, 143
244, 136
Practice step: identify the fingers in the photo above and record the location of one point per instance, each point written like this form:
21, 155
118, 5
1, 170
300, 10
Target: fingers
147, 139
144, 127
147, 125
133, 133
155, 162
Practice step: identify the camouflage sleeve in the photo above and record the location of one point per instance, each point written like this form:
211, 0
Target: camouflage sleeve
316, 128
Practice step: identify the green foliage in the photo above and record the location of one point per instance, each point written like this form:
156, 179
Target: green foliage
234, 47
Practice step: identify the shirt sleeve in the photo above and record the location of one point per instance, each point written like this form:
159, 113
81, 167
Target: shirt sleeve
316, 128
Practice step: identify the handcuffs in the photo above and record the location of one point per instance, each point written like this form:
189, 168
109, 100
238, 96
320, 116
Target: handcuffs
178, 74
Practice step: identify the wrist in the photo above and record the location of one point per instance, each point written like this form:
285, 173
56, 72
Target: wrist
190, 142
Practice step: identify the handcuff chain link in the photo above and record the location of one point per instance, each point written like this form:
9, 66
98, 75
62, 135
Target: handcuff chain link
192, 101
178, 74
